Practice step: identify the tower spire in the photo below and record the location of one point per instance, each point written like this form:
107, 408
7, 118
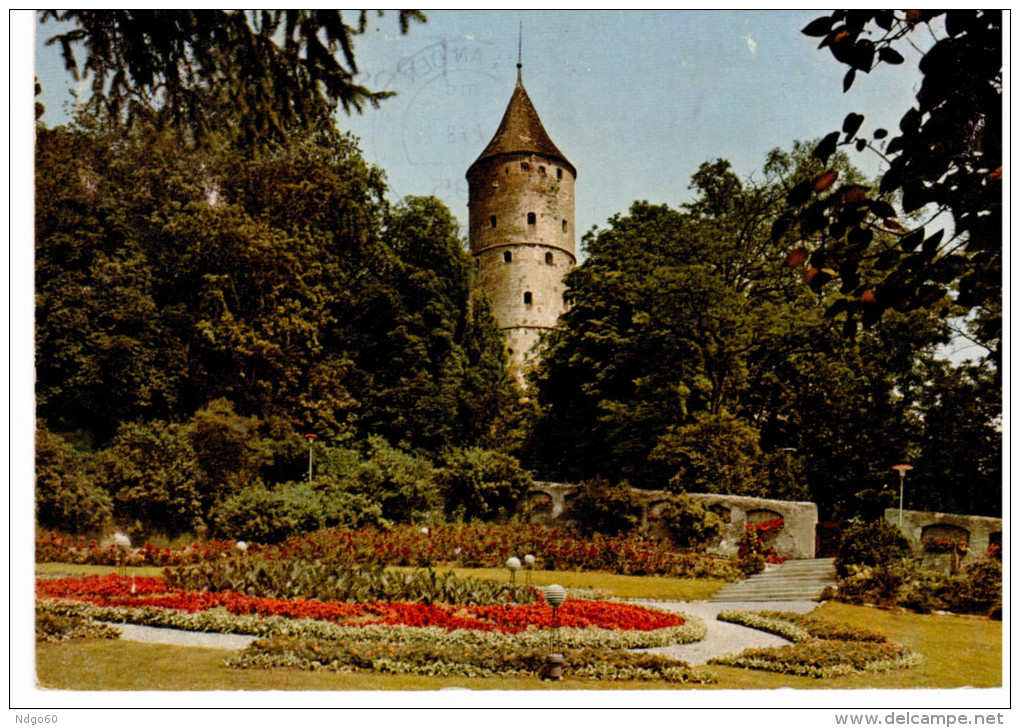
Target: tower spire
520, 42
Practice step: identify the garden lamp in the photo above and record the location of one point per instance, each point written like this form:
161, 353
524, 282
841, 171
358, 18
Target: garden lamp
902, 469
123, 543
242, 547
555, 595
513, 563
529, 564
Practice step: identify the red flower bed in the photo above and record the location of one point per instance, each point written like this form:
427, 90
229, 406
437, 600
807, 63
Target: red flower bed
69, 550
115, 591
470, 545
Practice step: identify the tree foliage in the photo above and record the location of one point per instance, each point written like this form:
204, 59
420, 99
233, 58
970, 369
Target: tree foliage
945, 158
692, 352
257, 74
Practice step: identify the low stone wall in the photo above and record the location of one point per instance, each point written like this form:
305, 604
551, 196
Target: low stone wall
796, 540
921, 527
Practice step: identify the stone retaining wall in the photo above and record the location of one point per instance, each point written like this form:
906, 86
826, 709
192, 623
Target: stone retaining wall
796, 540
921, 527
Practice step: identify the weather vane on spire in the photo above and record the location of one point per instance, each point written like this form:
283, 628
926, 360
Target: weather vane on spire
520, 40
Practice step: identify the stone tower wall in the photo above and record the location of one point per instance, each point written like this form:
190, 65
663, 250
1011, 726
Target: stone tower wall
520, 264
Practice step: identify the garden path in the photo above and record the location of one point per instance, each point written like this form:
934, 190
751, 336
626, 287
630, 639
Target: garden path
722, 638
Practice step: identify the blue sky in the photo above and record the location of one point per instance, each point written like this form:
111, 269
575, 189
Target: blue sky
635, 99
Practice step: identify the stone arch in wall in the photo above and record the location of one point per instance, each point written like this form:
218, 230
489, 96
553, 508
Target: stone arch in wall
760, 515
935, 537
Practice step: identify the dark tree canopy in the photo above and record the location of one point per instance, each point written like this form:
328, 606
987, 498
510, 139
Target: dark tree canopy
945, 160
257, 73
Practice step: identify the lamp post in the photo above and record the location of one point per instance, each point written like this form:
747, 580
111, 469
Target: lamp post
311, 439
902, 469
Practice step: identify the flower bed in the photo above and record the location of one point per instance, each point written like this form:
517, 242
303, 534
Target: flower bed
55, 625
222, 621
824, 658
469, 545
821, 648
799, 627
464, 660
53, 548
115, 591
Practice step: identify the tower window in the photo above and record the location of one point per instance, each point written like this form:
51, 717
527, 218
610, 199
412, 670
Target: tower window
559, 173
525, 166
564, 224
548, 258
507, 256
531, 218
527, 298
541, 170
492, 221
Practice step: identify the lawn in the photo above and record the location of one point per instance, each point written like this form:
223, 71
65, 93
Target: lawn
959, 652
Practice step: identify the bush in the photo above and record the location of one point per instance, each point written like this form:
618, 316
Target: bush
871, 544
906, 584
689, 523
66, 495
269, 516
154, 476
403, 484
980, 589
598, 507
477, 483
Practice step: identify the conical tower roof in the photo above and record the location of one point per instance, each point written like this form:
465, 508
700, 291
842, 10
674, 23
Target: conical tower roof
521, 131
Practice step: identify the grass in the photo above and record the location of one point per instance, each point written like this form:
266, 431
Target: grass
625, 587
59, 571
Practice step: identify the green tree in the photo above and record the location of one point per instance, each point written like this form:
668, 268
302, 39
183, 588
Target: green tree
478, 483
946, 158
154, 477
228, 447
67, 496
256, 74
683, 320
959, 462
715, 453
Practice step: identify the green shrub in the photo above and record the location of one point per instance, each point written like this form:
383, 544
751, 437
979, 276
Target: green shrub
871, 544
598, 507
67, 497
689, 523
262, 515
403, 484
477, 483
153, 473
873, 584
980, 589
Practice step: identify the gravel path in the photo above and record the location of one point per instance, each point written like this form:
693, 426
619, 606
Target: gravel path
722, 638
162, 635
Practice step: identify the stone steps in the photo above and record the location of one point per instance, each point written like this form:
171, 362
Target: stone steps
799, 580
